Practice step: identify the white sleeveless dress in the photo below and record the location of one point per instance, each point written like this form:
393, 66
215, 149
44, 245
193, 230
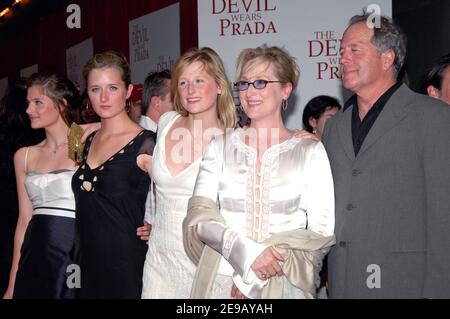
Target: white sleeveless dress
168, 272
49, 238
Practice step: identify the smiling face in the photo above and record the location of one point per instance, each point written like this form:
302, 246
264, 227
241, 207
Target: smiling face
260, 104
43, 112
107, 92
197, 89
362, 65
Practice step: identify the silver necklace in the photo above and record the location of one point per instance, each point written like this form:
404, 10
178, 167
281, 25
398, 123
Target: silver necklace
58, 146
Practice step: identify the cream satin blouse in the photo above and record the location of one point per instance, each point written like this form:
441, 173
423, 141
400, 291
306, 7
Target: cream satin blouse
295, 189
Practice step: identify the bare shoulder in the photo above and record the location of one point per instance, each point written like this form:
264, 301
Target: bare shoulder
19, 158
133, 131
21, 153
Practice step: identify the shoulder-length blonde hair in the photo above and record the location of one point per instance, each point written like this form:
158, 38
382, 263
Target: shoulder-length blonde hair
226, 110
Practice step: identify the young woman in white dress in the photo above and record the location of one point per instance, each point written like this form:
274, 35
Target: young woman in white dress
204, 107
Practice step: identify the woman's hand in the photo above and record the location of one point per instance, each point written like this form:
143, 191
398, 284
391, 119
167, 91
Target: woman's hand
8, 294
305, 134
89, 128
236, 294
267, 264
144, 231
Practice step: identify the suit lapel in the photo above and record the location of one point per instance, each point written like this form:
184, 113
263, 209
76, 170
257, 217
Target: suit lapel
345, 133
393, 112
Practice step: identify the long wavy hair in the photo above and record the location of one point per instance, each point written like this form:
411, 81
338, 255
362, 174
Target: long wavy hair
226, 110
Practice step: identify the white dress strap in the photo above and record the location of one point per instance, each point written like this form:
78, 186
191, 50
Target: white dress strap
166, 119
151, 185
26, 159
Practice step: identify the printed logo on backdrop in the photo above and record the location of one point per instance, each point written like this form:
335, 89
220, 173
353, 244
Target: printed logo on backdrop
164, 63
140, 42
323, 49
154, 42
311, 31
244, 17
76, 58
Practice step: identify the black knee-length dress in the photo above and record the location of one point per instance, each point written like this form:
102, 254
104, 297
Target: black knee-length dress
110, 205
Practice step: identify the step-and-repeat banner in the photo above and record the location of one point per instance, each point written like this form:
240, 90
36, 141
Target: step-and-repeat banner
309, 30
154, 42
76, 57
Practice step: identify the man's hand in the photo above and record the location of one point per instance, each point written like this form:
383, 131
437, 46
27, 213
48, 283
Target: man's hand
305, 134
144, 231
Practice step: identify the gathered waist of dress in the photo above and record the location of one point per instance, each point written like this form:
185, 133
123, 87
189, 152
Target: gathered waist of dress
172, 203
64, 208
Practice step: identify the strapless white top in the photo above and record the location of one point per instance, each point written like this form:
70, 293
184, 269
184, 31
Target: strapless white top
51, 193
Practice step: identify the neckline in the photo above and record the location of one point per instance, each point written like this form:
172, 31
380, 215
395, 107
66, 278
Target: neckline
112, 156
268, 150
50, 172
163, 140
57, 147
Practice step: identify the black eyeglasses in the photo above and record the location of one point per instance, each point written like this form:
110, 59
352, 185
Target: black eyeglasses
257, 84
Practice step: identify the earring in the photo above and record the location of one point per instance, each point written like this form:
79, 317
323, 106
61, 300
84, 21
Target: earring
87, 106
284, 105
314, 131
128, 106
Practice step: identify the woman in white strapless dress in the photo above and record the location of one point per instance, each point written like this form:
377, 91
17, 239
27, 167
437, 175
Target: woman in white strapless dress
46, 225
48, 240
203, 102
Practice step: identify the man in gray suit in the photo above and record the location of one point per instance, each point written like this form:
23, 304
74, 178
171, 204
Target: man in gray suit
389, 150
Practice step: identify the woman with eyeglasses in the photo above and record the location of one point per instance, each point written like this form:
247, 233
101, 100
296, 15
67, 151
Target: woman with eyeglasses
262, 214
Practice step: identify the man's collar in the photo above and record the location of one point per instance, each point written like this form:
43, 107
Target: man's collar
353, 100
147, 123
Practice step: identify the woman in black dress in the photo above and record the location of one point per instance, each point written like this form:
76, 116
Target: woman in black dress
111, 186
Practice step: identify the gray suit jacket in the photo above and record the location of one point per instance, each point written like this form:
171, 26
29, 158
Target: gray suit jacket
392, 202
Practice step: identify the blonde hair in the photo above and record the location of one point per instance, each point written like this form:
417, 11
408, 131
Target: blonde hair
226, 110
109, 59
286, 70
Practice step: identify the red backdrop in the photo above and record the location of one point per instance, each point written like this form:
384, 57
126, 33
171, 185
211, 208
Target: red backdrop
45, 42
